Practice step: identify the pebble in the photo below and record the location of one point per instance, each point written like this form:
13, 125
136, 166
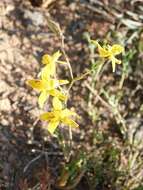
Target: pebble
3, 86
5, 105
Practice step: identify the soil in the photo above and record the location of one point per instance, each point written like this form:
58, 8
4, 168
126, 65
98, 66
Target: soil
27, 152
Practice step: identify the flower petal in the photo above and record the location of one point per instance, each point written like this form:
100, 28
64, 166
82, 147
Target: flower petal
47, 116
114, 61
57, 104
52, 126
67, 113
48, 70
46, 59
42, 98
52, 84
102, 51
36, 84
113, 64
117, 49
70, 122
56, 56
58, 94
118, 61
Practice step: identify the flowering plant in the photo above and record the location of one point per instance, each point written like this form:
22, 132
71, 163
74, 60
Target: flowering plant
49, 85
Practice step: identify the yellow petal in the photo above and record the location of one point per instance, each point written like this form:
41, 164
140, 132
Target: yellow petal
63, 82
118, 61
46, 59
52, 126
67, 113
52, 84
47, 116
50, 61
42, 98
45, 73
102, 51
114, 61
70, 122
58, 94
56, 56
113, 64
57, 104
117, 49
48, 70
36, 84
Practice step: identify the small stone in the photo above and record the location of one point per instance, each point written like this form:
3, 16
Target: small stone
35, 18
5, 105
3, 86
4, 122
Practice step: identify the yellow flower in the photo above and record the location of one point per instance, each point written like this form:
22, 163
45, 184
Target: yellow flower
50, 62
47, 59
58, 115
110, 52
46, 88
